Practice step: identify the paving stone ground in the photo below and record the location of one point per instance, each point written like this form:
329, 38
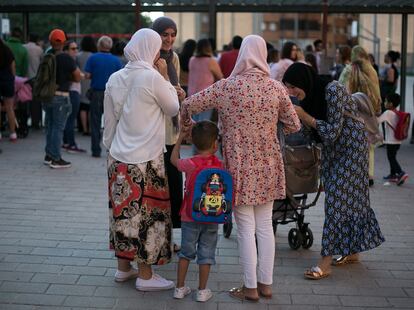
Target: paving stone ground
54, 246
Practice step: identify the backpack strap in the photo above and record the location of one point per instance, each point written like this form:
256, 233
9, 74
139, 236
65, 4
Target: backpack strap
388, 123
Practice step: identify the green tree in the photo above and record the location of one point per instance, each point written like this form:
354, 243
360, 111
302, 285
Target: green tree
90, 22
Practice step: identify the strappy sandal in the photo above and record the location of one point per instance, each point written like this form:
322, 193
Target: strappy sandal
264, 290
238, 293
344, 260
316, 273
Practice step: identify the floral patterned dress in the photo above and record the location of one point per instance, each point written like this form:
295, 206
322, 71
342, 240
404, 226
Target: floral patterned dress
139, 211
249, 107
350, 225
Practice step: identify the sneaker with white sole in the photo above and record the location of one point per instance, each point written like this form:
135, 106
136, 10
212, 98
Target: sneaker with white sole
122, 276
13, 137
156, 283
401, 178
181, 292
48, 160
60, 164
204, 295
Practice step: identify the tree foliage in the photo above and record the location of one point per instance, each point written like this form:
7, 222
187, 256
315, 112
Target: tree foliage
89, 22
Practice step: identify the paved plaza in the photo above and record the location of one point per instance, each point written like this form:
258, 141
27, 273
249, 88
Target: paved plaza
54, 246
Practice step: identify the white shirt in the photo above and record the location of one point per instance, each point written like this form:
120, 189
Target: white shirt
278, 70
390, 118
137, 100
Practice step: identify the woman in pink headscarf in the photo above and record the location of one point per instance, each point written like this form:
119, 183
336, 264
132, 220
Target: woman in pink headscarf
249, 105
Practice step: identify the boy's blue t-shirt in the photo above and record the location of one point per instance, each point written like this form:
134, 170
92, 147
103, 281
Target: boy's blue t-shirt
101, 66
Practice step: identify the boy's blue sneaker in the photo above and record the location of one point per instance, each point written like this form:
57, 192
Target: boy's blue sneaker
402, 177
391, 178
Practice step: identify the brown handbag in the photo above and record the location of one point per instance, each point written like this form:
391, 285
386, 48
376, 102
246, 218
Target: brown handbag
302, 164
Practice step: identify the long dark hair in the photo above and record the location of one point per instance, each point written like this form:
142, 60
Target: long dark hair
186, 53
88, 44
204, 48
393, 55
287, 49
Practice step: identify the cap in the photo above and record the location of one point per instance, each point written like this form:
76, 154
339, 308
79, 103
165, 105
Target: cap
57, 35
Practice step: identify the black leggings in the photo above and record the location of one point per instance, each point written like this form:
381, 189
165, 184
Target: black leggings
392, 150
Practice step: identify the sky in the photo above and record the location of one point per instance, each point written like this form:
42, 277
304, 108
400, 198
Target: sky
153, 15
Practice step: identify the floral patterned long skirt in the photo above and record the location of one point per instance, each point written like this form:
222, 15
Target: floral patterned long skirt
139, 211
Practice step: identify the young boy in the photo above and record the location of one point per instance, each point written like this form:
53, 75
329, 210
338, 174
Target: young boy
197, 239
391, 119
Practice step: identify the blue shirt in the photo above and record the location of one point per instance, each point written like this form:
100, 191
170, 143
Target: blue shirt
101, 66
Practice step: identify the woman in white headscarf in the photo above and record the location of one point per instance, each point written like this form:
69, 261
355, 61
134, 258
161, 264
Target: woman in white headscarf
249, 105
137, 100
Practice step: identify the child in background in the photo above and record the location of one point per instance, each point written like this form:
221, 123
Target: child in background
390, 118
197, 239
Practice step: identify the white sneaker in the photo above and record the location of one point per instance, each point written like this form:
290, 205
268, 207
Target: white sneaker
122, 276
204, 295
181, 292
156, 283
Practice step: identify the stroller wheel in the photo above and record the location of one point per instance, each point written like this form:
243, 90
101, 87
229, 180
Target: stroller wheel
307, 238
295, 238
227, 228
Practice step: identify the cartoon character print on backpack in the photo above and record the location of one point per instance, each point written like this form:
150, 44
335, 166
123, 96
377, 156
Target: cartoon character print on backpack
213, 199
213, 196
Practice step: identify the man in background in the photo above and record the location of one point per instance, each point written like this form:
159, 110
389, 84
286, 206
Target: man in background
19, 51
35, 54
99, 68
228, 59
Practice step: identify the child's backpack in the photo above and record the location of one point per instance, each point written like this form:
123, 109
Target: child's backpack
44, 86
209, 192
366, 114
403, 124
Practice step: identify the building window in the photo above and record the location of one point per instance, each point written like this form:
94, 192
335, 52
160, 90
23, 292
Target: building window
272, 26
305, 24
287, 24
263, 26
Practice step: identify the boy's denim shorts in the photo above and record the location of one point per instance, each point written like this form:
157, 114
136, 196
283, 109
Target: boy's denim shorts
199, 240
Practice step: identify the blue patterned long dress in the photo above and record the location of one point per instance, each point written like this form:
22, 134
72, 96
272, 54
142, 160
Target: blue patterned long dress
350, 225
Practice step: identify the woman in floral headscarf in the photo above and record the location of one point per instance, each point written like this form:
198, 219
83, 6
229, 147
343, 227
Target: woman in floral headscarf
137, 100
249, 105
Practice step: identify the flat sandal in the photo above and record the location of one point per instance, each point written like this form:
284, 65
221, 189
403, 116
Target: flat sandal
238, 293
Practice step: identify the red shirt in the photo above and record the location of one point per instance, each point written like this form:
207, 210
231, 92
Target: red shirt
228, 61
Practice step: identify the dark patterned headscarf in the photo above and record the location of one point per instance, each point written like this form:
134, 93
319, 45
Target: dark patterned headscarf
160, 25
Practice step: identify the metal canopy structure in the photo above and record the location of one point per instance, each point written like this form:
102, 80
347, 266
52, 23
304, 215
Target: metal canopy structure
212, 7
309, 6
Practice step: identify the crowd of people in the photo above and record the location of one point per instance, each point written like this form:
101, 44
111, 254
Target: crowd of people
154, 99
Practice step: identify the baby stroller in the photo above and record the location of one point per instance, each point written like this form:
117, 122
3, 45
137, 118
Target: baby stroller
302, 178
301, 159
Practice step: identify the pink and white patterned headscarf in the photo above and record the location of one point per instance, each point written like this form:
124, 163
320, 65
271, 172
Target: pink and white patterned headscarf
252, 57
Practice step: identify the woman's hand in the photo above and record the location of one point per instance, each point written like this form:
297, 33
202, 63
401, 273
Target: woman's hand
299, 111
161, 66
180, 93
305, 117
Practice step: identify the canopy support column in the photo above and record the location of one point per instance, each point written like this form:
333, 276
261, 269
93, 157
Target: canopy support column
212, 23
404, 38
